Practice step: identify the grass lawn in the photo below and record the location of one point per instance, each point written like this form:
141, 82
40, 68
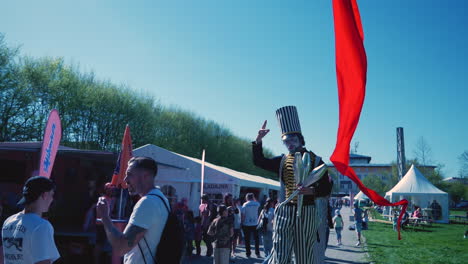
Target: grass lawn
441, 243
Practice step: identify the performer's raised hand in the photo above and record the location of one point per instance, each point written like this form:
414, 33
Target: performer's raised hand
262, 132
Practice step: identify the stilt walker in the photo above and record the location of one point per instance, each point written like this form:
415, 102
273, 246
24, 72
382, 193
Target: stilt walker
296, 222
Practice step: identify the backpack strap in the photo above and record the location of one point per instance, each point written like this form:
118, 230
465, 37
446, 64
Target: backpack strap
141, 251
165, 205
146, 242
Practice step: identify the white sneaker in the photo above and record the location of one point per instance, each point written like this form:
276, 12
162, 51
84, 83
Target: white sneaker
358, 244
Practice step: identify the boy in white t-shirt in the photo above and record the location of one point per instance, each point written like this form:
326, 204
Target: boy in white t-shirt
27, 237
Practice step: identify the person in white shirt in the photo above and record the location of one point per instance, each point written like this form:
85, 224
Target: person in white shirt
27, 237
249, 214
141, 236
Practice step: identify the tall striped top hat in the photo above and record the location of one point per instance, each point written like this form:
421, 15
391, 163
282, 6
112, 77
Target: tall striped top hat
288, 120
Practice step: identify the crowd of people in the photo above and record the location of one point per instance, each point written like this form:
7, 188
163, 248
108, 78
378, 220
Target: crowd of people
296, 227
224, 225
227, 224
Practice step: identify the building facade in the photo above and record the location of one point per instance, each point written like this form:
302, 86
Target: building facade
363, 168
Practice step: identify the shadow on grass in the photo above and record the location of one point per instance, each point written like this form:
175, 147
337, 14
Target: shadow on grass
374, 245
416, 229
435, 227
340, 261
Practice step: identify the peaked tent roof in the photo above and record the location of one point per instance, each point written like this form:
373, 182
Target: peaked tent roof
414, 182
361, 196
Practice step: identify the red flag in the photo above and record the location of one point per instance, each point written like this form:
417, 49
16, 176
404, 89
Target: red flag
351, 70
50, 144
124, 156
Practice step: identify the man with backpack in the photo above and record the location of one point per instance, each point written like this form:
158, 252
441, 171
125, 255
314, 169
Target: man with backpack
150, 220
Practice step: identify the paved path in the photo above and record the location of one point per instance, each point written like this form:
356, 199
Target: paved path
348, 253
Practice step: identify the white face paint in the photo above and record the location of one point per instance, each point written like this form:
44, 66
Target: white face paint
292, 143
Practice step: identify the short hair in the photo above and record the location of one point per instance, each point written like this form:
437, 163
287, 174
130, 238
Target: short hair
144, 163
221, 209
205, 197
249, 196
226, 196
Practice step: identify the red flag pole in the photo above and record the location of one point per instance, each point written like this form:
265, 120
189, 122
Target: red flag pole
122, 164
202, 172
351, 72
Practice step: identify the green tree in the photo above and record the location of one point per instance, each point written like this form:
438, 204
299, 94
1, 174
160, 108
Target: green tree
375, 183
456, 191
14, 97
94, 113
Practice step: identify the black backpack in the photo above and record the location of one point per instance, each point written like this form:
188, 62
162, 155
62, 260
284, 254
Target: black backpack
171, 244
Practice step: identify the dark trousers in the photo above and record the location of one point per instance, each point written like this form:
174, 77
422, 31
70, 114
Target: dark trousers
197, 245
248, 230
209, 244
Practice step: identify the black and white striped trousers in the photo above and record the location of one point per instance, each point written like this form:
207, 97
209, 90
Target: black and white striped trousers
294, 233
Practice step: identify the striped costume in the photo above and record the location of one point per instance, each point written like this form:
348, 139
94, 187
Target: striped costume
290, 233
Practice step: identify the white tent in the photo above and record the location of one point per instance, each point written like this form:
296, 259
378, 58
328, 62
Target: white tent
361, 196
419, 191
183, 175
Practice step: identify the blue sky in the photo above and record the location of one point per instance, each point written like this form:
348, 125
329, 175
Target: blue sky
236, 62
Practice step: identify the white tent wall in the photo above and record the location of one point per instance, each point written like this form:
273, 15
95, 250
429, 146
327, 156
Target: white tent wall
181, 190
423, 200
184, 174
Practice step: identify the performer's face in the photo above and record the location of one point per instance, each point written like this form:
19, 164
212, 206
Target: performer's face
292, 142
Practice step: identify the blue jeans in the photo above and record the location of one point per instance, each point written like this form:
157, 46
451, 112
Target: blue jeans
338, 232
267, 242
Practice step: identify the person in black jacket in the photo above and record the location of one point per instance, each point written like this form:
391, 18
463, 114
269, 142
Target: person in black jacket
292, 232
